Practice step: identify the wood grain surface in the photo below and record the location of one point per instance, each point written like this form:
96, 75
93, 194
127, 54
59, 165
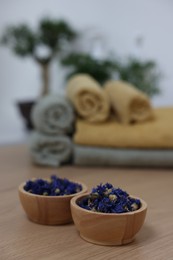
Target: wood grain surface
22, 239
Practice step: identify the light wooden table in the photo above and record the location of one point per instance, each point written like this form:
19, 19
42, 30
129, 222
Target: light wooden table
22, 239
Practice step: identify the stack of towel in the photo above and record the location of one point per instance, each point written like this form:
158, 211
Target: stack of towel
116, 125
53, 119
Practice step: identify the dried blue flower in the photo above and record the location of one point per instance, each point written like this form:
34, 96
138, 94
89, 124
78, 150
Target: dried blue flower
53, 187
108, 199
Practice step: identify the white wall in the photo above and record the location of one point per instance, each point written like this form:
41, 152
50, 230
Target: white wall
120, 21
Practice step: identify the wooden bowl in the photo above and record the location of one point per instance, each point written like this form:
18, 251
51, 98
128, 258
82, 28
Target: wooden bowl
107, 228
48, 210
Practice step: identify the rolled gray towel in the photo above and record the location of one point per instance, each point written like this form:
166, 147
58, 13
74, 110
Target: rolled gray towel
53, 115
96, 156
50, 150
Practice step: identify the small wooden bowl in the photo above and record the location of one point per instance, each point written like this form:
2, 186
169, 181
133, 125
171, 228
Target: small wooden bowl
107, 228
48, 210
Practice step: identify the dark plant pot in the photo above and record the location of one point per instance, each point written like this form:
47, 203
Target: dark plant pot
25, 108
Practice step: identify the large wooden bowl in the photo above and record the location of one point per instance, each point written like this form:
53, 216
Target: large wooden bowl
107, 228
48, 210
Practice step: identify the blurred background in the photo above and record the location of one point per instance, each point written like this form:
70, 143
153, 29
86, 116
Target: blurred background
112, 29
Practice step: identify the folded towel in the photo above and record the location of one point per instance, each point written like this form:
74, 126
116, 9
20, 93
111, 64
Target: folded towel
89, 99
129, 103
151, 134
53, 115
50, 150
95, 156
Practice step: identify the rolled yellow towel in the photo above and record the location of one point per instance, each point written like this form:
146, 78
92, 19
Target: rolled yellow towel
89, 99
129, 103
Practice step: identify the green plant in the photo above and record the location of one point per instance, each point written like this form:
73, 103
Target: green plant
142, 74
49, 36
101, 70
